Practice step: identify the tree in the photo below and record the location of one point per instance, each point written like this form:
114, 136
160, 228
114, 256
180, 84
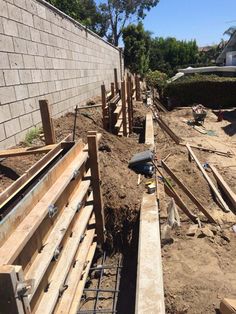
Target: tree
136, 51
84, 11
119, 12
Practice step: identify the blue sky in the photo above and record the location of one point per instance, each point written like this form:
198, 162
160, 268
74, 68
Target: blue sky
203, 20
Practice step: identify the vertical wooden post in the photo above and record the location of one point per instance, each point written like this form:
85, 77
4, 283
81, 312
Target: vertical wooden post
124, 118
95, 178
103, 90
129, 104
131, 99
48, 127
116, 81
112, 90
137, 85
9, 303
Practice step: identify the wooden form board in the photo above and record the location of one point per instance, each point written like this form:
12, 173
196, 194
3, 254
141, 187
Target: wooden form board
69, 235
47, 122
228, 306
209, 181
149, 289
26, 151
149, 130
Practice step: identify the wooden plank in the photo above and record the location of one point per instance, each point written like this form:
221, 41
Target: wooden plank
149, 131
209, 181
188, 192
129, 100
227, 190
75, 274
104, 102
9, 304
168, 130
40, 264
116, 81
26, 151
24, 298
96, 185
80, 287
159, 105
21, 210
149, 290
18, 239
49, 299
48, 127
178, 200
210, 150
228, 306
112, 90
124, 112
138, 90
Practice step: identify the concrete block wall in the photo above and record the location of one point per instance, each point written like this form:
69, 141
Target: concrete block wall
46, 55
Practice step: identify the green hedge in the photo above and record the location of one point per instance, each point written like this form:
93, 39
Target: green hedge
210, 90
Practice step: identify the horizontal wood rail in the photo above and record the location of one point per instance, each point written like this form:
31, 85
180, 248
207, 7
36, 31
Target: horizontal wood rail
48, 249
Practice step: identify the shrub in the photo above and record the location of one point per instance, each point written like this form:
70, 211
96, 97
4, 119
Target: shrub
156, 79
210, 90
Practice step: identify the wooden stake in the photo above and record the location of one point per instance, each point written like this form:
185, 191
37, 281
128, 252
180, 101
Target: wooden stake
137, 85
95, 178
211, 184
112, 90
129, 105
48, 127
103, 90
116, 81
124, 118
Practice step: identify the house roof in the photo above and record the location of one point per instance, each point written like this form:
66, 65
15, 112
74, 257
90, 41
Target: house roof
230, 46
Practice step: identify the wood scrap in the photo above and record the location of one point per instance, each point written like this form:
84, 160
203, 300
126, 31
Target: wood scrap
208, 179
26, 151
210, 150
228, 306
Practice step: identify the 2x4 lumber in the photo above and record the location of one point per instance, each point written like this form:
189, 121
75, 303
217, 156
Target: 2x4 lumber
18, 239
26, 151
21, 210
149, 291
124, 112
75, 274
96, 185
80, 287
211, 150
48, 127
209, 181
138, 90
227, 190
8, 301
112, 90
65, 262
159, 105
40, 264
128, 88
187, 192
149, 130
104, 102
116, 81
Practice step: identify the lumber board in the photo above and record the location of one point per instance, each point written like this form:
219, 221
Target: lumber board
124, 110
42, 261
209, 181
228, 306
80, 287
149, 288
159, 105
75, 274
19, 212
227, 190
24, 299
178, 200
116, 81
188, 192
49, 299
26, 151
149, 130
210, 150
17, 240
47, 122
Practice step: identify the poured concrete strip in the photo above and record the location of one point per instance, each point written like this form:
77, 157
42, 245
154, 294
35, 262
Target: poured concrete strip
150, 291
149, 131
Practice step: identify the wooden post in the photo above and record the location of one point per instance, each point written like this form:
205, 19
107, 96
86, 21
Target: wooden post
137, 85
48, 127
116, 81
124, 118
103, 90
112, 90
95, 178
131, 99
129, 105
9, 303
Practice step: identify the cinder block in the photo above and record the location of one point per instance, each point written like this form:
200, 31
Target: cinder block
24, 31
46, 75
38, 23
11, 77
36, 117
26, 121
36, 76
35, 34
43, 88
3, 6
16, 61
41, 11
25, 76
27, 18
39, 62
20, 3
19, 45
10, 27
7, 94
32, 48
8, 143
42, 50
14, 12
12, 127
29, 62
16, 109
21, 92
31, 7
6, 43
5, 113
2, 133
2, 81
33, 90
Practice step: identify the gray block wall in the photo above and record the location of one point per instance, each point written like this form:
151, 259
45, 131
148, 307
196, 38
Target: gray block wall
46, 55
